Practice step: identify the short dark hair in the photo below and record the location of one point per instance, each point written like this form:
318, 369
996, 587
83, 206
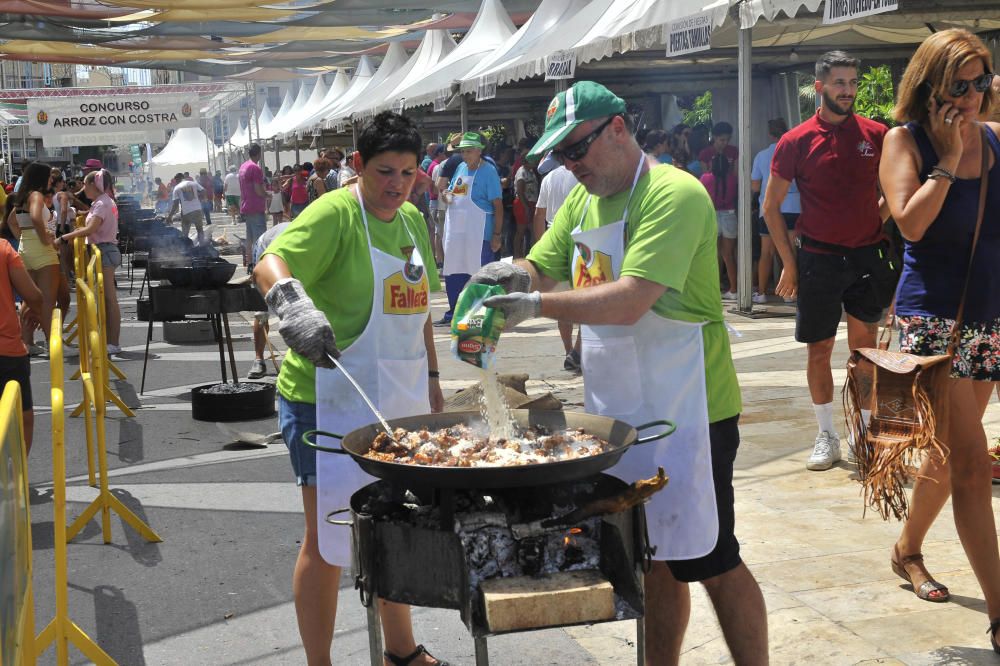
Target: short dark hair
776, 127
35, 178
722, 128
390, 131
255, 150
654, 138
832, 59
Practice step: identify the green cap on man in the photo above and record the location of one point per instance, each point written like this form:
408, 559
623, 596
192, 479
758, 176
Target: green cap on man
584, 101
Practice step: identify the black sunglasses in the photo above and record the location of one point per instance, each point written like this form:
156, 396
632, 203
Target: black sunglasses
982, 83
577, 151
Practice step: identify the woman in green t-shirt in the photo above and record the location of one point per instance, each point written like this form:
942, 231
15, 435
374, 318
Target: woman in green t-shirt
352, 262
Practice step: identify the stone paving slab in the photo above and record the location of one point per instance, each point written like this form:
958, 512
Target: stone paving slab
218, 589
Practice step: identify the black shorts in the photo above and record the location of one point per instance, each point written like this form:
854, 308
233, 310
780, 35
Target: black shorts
790, 220
861, 284
17, 369
725, 440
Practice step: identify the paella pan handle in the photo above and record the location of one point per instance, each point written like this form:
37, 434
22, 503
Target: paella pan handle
314, 445
671, 427
345, 523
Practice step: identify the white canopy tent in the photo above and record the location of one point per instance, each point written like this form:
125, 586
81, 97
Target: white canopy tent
315, 114
395, 57
239, 138
268, 130
489, 31
293, 120
434, 47
549, 14
279, 127
187, 150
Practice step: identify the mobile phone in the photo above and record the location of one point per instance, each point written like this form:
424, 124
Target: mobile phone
928, 91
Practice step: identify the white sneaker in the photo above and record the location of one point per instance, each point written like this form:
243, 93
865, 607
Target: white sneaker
826, 451
113, 349
758, 298
729, 296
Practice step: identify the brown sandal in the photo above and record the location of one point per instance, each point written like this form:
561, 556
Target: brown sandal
405, 661
929, 587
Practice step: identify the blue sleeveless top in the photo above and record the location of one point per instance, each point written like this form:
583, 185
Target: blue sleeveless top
934, 267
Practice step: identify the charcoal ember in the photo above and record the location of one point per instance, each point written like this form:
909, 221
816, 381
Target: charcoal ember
228, 388
531, 555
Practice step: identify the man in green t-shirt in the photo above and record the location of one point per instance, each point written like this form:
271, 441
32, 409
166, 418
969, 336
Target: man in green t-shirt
637, 242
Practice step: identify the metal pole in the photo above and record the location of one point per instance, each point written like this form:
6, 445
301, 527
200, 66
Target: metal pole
354, 134
744, 257
277, 157
253, 109
464, 110
225, 139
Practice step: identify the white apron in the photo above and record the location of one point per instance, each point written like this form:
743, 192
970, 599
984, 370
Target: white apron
464, 226
389, 360
654, 369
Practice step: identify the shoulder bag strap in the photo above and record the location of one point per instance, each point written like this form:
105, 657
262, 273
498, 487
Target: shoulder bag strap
983, 185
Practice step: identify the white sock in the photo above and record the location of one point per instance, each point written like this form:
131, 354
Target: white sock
824, 417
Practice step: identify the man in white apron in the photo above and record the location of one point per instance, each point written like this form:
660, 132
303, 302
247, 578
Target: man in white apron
348, 278
474, 219
637, 245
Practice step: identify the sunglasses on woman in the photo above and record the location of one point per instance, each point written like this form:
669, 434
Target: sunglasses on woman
982, 83
577, 151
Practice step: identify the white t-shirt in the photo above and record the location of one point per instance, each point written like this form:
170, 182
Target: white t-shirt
555, 187
442, 205
231, 185
186, 192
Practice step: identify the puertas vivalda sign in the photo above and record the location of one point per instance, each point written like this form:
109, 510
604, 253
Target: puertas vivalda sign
93, 120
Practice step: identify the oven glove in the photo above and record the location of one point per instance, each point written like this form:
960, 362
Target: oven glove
516, 307
509, 276
304, 328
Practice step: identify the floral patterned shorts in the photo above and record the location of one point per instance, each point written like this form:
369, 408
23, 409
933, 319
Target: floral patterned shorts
978, 353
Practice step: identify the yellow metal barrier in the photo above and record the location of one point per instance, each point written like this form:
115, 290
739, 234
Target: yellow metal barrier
17, 600
95, 282
94, 382
62, 630
80, 269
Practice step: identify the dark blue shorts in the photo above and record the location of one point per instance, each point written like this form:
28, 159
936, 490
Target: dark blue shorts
294, 419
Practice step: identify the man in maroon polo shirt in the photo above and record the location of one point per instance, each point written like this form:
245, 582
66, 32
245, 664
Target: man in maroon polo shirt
842, 262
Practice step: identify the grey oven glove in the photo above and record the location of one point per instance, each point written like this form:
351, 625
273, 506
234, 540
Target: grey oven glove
516, 307
509, 276
304, 328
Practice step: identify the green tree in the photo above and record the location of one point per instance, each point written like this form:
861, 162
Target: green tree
700, 111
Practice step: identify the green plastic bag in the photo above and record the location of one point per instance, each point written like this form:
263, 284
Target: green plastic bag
476, 328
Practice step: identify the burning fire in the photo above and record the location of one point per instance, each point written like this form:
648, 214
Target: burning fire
568, 539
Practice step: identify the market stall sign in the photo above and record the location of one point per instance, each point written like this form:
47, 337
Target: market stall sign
689, 34
104, 138
486, 88
399, 105
49, 116
560, 65
440, 103
838, 11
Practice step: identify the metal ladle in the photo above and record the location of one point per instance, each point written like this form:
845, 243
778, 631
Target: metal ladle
364, 396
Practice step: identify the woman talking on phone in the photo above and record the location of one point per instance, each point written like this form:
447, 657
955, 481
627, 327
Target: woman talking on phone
930, 174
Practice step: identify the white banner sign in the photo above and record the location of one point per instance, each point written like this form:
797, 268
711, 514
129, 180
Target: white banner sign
50, 116
440, 103
104, 138
689, 34
837, 11
560, 65
398, 105
486, 88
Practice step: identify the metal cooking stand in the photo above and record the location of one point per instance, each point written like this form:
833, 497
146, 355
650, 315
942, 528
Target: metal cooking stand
215, 304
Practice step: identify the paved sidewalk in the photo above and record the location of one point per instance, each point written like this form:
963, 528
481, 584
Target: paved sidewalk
218, 589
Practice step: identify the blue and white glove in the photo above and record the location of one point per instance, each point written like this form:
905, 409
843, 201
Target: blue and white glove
511, 277
516, 306
303, 327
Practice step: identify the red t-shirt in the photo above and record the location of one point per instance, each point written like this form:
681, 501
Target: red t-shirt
10, 325
708, 152
836, 170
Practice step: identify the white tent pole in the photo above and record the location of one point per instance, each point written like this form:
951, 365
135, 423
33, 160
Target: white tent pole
277, 155
464, 111
744, 257
253, 110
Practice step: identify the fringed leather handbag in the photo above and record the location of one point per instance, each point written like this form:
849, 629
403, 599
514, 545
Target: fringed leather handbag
908, 398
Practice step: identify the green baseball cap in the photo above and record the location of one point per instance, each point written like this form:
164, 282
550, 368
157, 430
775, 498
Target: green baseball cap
586, 100
470, 140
